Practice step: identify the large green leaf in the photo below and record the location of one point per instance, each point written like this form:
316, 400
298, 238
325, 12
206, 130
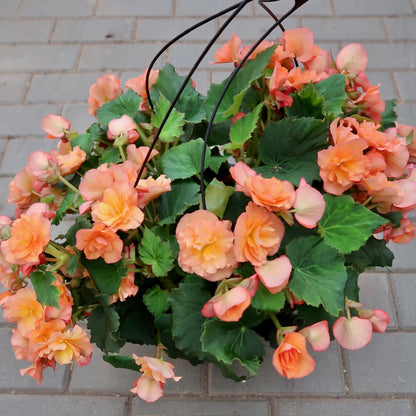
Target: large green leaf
107, 277
231, 102
156, 300
46, 292
187, 302
389, 117
172, 204
266, 301
230, 341
217, 195
307, 103
173, 127
289, 148
104, 324
64, 206
156, 253
121, 361
333, 91
127, 103
318, 275
347, 225
190, 103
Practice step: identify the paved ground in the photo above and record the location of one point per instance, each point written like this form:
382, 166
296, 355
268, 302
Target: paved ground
51, 51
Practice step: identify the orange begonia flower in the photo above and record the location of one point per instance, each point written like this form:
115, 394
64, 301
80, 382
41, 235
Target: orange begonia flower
205, 245
99, 241
343, 165
70, 162
229, 51
275, 273
29, 235
106, 88
118, 208
258, 234
138, 84
149, 189
55, 126
300, 42
292, 359
317, 335
352, 59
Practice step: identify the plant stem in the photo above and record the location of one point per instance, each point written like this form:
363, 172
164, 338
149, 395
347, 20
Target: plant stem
69, 185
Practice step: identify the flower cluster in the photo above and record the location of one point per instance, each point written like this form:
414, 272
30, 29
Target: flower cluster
208, 249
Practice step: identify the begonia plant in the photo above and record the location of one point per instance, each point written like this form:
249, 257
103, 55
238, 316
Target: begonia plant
210, 250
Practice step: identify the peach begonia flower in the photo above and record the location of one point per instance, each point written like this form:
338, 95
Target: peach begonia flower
321, 60
137, 154
229, 51
149, 189
275, 273
21, 189
106, 88
370, 104
401, 235
149, 386
408, 131
353, 333
65, 301
300, 43
379, 319
342, 165
317, 335
344, 130
56, 126
44, 167
29, 235
99, 241
70, 162
138, 84
118, 208
292, 359
228, 306
23, 309
205, 245
127, 288
309, 205
352, 59
122, 130
258, 234
298, 77
7, 275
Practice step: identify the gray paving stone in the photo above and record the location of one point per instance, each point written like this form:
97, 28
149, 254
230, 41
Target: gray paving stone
386, 365
388, 86
10, 377
62, 87
312, 8
201, 79
343, 407
24, 120
62, 405
184, 55
37, 57
401, 28
391, 56
172, 28
93, 30
375, 294
19, 31
18, 150
99, 376
201, 407
404, 257
407, 85
326, 378
117, 56
78, 115
5, 207
131, 8
207, 8
13, 87
372, 7
56, 8
405, 291
8, 8
357, 29
406, 113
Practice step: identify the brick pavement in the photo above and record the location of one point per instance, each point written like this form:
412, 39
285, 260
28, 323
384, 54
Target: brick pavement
52, 50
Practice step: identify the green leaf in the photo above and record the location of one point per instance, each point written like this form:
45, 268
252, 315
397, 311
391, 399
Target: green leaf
318, 275
156, 253
229, 341
311, 314
190, 103
104, 324
84, 141
156, 300
66, 204
266, 301
107, 277
347, 225
217, 195
389, 117
111, 155
172, 204
184, 161
46, 293
333, 90
73, 264
173, 128
352, 291
127, 103
306, 103
231, 102
187, 302
242, 129
283, 142
80, 223
121, 361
